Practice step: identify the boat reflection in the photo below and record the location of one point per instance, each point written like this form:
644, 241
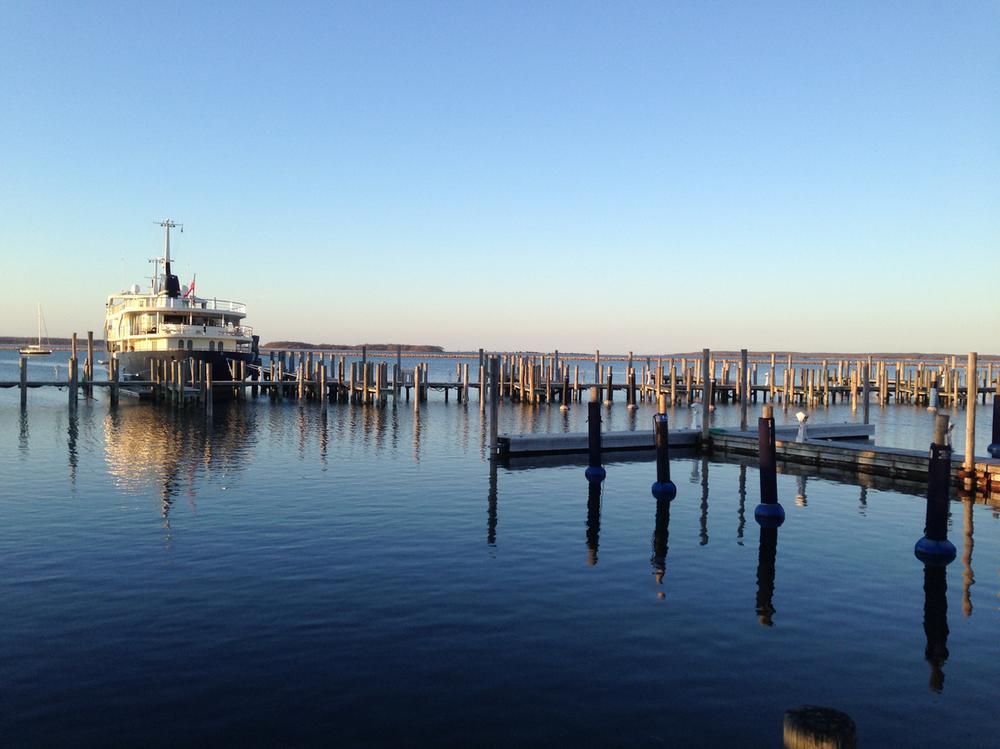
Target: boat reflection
168, 451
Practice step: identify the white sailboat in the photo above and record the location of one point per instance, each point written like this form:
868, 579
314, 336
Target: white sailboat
36, 349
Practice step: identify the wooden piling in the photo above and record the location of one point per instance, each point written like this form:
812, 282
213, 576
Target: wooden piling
23, 380
705, 395
744, 389
970, 413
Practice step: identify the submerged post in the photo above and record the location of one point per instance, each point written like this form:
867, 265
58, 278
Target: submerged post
934, 547
663, 487
769, 512
595, 472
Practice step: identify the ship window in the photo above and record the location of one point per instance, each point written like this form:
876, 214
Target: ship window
220, 346
180, 343
211, 345
190, 344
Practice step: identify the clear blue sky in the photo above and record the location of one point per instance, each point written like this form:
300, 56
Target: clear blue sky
649, 176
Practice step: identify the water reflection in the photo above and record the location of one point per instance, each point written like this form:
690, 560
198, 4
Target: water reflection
171, 451
593, 520
741, 513
968, 579
936, 622
22, 431
72, 434
661, 533
800, 493
491, 507
703, 521
863, 501
766, 556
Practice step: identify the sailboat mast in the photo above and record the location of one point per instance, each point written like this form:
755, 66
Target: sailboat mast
39, 324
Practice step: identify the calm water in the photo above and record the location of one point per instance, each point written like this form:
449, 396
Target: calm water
289, 575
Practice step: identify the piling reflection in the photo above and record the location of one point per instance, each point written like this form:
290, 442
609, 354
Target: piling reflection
741, 512
72, 434
800, 493
661, 533
22, 431
936, 622
491, 507
766, 557
703, 520
593, 520
968, 578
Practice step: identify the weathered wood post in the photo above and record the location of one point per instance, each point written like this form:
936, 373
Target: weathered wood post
22, 368
744, 389
209, 395
812, 727
663, 488
706, 395
769, 512
494, 404
866, 390
482, 384
113, 363
935, 547
597, 371
971, 380
609, 397
73, 380
416, 386
322, 383
595, 472
88, 368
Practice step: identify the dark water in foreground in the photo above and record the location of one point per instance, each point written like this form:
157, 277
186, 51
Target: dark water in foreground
282, 576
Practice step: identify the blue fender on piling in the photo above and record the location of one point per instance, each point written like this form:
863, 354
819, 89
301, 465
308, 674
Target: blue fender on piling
595, 473
666, 490
769, 515
994, 450
935, 553
663, 488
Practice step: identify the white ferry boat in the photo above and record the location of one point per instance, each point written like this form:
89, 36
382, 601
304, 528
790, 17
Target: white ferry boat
168, 322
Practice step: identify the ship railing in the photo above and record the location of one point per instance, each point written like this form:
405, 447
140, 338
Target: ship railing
163, 302
237, 331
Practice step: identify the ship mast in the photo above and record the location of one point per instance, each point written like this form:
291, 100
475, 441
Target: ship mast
167, 225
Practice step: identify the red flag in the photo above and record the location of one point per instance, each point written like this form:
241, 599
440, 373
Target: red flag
190, 291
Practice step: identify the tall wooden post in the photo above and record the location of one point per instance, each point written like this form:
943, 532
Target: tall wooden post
744, 389
23, 380
706, 394
971, 381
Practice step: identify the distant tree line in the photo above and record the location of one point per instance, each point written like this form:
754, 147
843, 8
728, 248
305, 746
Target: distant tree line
350, 347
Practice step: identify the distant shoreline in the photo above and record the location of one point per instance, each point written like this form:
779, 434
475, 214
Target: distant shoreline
9, 343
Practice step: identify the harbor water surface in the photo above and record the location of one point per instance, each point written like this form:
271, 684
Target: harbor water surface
292, 574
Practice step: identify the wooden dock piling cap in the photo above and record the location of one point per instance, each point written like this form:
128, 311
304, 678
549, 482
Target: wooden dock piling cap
812, 727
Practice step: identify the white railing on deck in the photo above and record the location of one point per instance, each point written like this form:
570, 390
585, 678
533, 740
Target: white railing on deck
163, 302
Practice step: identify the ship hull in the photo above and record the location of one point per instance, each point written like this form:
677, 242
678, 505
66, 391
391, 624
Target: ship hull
135, 365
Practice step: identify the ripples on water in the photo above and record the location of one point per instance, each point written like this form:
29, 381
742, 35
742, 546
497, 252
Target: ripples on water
287, 574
